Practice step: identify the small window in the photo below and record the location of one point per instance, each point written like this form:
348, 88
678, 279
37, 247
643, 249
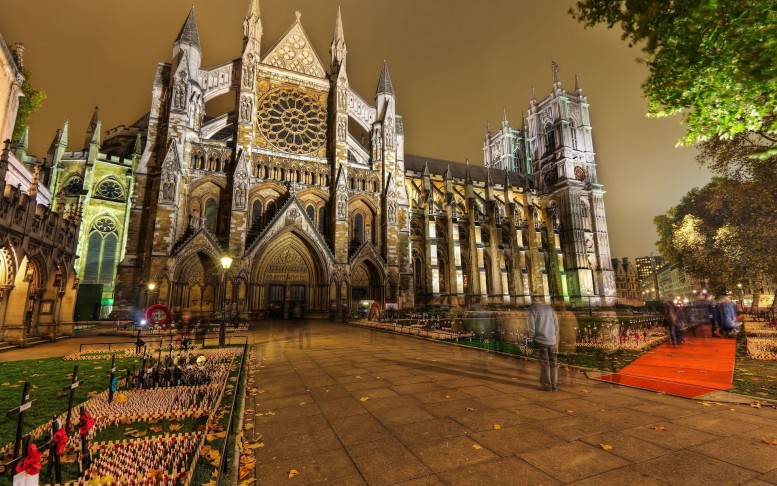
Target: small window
74, 186
110, 189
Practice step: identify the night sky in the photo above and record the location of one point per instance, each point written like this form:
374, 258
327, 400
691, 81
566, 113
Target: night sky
454, 64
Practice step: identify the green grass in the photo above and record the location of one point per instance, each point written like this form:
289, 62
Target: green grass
757, 378
47, 377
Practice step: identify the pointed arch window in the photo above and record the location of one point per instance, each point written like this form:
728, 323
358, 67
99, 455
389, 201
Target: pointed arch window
102, 252
573, 131
550, 140
322, 223
256, 213
358, 229
270, 213
311, 213
211, 215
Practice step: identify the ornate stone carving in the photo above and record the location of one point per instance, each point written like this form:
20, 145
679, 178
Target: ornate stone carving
180, 91
246, 108
295, 54
292, 120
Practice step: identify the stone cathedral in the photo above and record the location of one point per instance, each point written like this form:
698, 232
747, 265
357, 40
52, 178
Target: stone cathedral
306, 185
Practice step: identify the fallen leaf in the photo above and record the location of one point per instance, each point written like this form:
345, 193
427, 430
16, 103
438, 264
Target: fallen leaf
477, 447
364, 399
756, 405
248, 426
570, 411
660, 428
706, 404
247, 482
447, 396
470, 409
497, 426
770, 442
156, 429
586, 391
606, 447
175, 426
293, 473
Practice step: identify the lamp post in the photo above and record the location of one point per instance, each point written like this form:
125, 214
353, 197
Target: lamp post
151, 287
741, 295
226, 262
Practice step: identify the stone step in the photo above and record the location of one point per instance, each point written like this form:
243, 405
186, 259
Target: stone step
4, 346
35, 340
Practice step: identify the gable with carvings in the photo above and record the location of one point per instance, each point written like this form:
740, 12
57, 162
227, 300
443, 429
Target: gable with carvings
295, 53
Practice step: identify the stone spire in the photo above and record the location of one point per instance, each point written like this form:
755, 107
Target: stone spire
252, 28
468, 174
504, 117
338, 49
138, 150
60, 139
189, 33
384, 84
93, 130
33, 191
578, 88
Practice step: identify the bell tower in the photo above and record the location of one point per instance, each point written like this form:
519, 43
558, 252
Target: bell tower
564, 170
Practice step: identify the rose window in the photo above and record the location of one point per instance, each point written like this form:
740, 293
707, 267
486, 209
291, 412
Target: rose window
292, 121
110, 190
104, 225
74, 186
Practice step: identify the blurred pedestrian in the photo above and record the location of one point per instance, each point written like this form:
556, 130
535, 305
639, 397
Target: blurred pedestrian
672, 323
543, 336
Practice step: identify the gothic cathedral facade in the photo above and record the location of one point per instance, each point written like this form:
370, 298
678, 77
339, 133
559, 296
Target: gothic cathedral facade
316, 217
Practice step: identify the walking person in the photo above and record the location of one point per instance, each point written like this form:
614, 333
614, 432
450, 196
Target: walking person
543, 336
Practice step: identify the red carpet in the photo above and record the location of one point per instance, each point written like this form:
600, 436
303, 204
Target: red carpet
702, 365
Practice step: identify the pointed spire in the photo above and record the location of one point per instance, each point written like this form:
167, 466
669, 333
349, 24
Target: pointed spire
189, 32
252, 27
93, 128
578, 88
533, 94
384, 84
555, 69
426, 169
488, 127
447, 175
60, 139
138, 145
468, 174
96, 135
338, 49
504, 116
489, 180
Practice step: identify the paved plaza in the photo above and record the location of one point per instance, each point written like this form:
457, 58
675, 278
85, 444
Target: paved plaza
347, 405
358, 406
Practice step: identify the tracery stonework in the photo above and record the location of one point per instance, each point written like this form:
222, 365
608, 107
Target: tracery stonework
292, 121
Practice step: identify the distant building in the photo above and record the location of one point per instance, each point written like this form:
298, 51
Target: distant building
38, 284
646, 264
626, 282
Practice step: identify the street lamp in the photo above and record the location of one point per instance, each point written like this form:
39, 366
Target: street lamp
151, 287
741, 295
226, 262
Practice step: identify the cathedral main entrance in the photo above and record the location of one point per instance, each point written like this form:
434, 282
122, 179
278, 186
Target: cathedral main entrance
289, 280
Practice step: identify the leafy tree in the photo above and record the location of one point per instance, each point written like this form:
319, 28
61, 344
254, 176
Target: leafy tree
29, 103
711, 61
725, 232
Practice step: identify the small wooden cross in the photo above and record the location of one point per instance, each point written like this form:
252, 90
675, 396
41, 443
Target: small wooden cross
25, 405
112, 373
72, 389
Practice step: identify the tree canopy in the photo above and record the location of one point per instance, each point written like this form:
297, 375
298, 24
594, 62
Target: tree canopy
711, 61
725, 232
29, 103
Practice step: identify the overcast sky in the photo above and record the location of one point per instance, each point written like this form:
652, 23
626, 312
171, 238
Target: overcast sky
454, 65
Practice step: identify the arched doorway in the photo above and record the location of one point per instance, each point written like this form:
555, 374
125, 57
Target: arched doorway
197, 285
290, 279
366, 283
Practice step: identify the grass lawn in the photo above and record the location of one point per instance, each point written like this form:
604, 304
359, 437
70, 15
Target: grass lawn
757, 378
47, 377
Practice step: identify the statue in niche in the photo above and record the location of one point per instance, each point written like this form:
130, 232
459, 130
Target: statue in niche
248, 72
391, 211
240, 196
245, 109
